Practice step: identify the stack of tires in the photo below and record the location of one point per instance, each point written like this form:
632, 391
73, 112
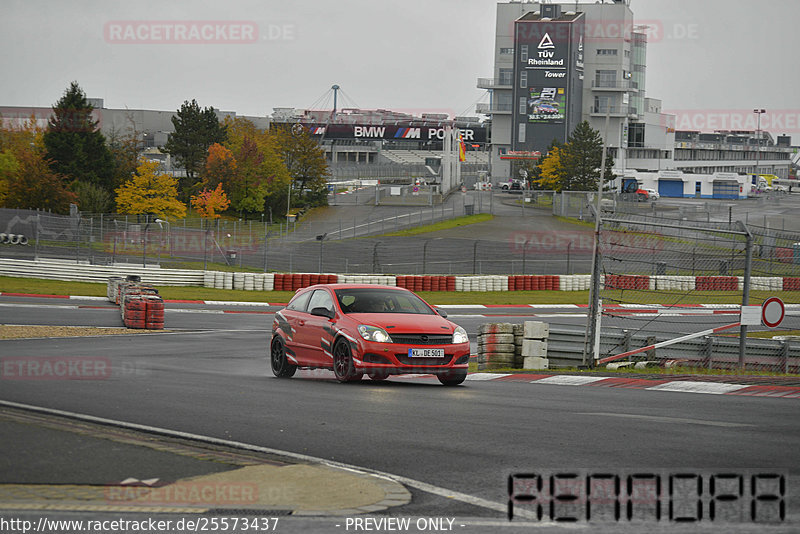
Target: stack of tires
496, 348
140, 305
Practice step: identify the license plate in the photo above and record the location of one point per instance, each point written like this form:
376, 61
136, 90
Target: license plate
426, 353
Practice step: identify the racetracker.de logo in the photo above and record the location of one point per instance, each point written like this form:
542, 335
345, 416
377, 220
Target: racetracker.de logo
55, 368
180, 32
187, 493
783, 121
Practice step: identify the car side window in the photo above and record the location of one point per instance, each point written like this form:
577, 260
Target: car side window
320, 299
299, 302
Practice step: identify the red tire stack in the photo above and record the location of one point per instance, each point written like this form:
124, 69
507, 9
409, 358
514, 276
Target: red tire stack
134, 311
154, 318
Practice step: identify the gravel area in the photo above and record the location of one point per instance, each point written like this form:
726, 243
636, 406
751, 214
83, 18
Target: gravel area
29, 332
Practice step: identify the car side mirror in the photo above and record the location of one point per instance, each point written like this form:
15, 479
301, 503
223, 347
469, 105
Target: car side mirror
441, 312
323, 312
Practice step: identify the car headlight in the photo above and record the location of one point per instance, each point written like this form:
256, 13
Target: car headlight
460, 335
373, 333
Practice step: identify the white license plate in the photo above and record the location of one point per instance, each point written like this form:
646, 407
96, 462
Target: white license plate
426, 353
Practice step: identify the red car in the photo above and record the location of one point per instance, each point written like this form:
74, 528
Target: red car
357, 329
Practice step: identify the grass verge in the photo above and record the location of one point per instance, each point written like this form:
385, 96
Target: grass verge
443, 225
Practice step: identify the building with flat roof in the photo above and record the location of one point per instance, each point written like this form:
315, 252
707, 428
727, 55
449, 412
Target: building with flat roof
602, 54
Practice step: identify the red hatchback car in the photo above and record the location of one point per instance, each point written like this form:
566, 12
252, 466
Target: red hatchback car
356, 329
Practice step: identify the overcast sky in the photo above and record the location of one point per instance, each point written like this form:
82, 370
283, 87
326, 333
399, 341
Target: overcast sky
410, 55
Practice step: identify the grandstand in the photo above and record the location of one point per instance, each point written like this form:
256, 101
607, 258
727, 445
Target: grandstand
388, 145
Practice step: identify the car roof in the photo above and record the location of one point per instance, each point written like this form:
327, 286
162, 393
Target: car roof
354, 286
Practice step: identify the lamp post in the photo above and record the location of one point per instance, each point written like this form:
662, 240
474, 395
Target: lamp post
758, 113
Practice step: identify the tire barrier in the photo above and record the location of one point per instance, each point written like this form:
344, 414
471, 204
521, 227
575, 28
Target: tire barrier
140, 305
573, 282
515, 346
534, 283
13, 239
624, 281
791, 284
426, 283
717, 283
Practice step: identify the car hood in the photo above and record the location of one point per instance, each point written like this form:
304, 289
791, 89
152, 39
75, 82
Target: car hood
407, 323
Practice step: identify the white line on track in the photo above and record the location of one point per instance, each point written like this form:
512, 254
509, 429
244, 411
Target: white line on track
422, 486
660, 419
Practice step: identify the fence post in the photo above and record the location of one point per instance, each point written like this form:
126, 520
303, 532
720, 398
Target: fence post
266, 237
745, 295
205, 248
708, 351
375, 258
626, 342
425, 255
475, 258
785, 356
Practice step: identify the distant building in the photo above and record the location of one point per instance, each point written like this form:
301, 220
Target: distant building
602, 55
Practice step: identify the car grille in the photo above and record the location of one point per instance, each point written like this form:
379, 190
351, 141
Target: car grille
405, 360
422, 339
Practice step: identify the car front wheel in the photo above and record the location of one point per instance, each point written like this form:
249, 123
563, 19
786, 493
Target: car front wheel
343, 366
452, 378
280, 364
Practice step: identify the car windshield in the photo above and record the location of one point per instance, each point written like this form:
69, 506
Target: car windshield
369, 300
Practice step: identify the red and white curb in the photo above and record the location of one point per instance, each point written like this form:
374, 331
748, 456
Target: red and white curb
669, 385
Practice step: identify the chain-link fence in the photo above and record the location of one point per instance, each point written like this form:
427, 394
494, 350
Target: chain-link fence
342, 245
700, 272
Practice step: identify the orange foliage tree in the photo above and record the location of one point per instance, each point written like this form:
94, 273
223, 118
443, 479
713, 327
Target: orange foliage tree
209, 202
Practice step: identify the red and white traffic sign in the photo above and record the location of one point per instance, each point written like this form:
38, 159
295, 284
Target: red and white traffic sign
772, 312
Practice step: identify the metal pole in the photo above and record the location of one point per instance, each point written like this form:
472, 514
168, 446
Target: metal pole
205, 249
592, 328
266, 237
144, 241
745, 296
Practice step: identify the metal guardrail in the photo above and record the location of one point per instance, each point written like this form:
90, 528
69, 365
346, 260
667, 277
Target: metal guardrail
565, 348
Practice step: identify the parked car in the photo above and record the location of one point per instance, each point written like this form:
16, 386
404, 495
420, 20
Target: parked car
652, 194
357, 329
642, 195
514, 185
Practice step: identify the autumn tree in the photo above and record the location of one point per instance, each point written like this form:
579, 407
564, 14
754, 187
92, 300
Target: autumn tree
74, 145
262, 180
209, 203
195, 130
551, 171
34, 185
305, 160
220, 166
149, 193
9, 166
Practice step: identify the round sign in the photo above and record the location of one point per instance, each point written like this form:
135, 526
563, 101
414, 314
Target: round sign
772, 312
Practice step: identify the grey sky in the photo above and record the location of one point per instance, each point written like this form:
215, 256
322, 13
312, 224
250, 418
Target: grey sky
410, 55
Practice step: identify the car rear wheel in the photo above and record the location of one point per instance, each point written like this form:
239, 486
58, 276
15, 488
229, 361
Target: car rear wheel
452, 378
343, 366
280, 364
